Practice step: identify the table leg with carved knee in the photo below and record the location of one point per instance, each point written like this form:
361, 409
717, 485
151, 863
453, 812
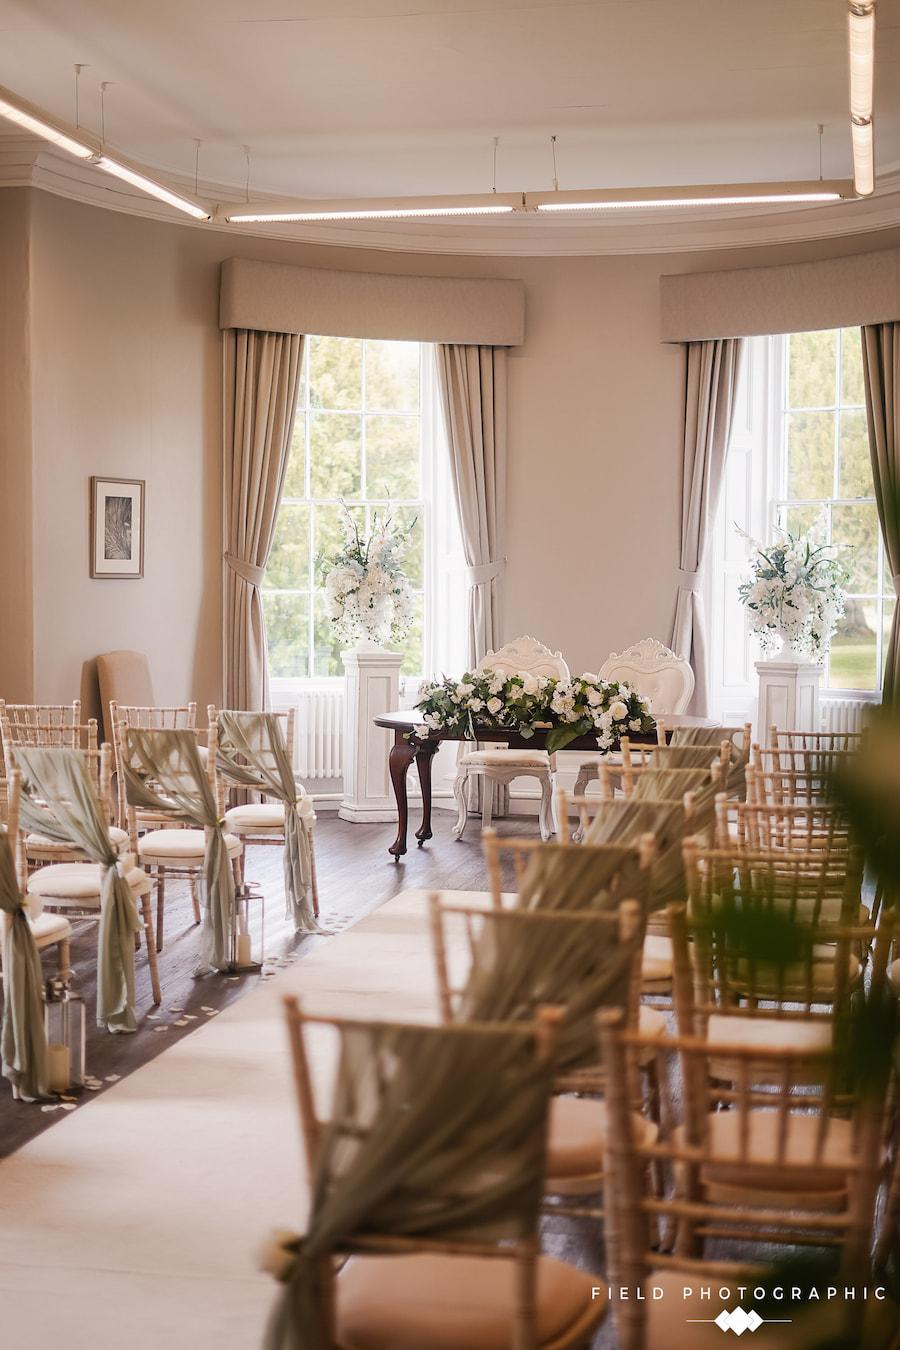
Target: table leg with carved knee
403, 752
424, 755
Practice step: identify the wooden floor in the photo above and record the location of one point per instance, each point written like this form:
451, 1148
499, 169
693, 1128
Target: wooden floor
356, 874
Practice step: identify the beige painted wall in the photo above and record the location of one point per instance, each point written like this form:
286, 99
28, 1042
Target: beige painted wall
127, 380
16, 683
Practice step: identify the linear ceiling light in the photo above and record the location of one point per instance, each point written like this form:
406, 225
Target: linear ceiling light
383, 208
150, 186
861, 44
649, 199
33, 119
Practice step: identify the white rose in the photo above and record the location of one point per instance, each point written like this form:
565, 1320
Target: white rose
476, 704
529, 684
594, 697
634, 724
618, 710
494, 705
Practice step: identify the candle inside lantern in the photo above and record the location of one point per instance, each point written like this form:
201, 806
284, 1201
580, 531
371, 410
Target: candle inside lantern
58, 1067
244, 950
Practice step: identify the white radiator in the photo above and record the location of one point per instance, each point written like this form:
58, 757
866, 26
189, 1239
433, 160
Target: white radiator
844, 714
318, 729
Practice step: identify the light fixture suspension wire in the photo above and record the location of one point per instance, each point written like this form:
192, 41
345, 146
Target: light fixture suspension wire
197, 145
246, 150
494, 172
555, 172
104, 85
820, 128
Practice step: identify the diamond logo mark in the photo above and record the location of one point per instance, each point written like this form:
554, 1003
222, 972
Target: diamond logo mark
738, 1321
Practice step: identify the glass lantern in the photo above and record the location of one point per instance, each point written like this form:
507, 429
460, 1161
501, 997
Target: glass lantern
64, 1023
241, 941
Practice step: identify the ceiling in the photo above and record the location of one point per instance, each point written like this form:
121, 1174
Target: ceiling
345, 98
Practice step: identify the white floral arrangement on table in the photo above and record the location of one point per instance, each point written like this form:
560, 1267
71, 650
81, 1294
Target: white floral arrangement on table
524, 703
367, 594
795, 593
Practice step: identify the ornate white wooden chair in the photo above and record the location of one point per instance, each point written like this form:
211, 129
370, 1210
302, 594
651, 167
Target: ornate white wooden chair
499, 765
665, 680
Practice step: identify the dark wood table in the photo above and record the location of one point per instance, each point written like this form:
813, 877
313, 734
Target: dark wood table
414, 741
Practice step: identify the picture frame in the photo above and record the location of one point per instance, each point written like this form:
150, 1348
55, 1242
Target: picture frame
117, 527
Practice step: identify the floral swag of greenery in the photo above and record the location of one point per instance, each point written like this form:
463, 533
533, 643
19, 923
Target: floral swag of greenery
367, 594
795, 588
525, 703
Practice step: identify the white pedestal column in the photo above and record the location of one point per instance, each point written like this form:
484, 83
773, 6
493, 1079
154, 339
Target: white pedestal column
788, 697
372, 687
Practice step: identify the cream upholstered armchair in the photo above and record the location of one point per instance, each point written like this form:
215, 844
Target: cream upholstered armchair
499, 765
654, 671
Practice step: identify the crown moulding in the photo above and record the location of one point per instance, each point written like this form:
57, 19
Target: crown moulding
25, 162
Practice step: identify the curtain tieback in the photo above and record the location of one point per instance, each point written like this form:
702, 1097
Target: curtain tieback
246, 571
689, 581
896, 580
480, 576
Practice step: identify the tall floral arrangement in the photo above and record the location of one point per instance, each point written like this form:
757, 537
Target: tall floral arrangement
367, 593
524, 703
794, 593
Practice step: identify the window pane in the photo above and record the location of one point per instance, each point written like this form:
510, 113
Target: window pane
392, 376
328, 534
856, 464
812, 370
288, 567
810, 442
857, 527
852, 385
327, 655
414, 646
392, 456
335, 373
854, 650
295, 478
811, 520
412, 558
287, 633
335, 448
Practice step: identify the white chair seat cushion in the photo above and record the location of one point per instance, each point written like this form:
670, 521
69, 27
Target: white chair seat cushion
45, 845
79, 882
656, 962
780, 1033
676, 1322
577, 1134
506, 759
256, 816
49, 928
180, 846
429, 1301
760, 1171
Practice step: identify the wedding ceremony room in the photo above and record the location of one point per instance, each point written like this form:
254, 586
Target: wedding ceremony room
449, 674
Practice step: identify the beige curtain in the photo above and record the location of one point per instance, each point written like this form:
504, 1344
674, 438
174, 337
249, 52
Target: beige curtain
712, 374
472, 382
262, 379
881, 363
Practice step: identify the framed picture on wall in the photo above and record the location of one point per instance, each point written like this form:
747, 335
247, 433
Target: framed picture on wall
117, 527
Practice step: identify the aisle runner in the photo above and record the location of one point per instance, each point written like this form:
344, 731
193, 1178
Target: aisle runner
137, 1221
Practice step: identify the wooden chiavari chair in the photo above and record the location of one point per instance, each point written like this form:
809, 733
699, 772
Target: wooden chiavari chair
171, 718
165, 842
577, 1124
43, 724
262, 822
48, 930
787, 826
39, 850
790, 742
73, 889
402, 1289
802, 777
796, 1159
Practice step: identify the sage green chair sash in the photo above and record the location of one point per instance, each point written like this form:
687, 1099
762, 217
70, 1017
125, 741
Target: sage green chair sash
435, 1133
59, 800
569, 877
670, 784
251, 753
686, 756
578, 962
163, 772
23, 1044
626, 819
